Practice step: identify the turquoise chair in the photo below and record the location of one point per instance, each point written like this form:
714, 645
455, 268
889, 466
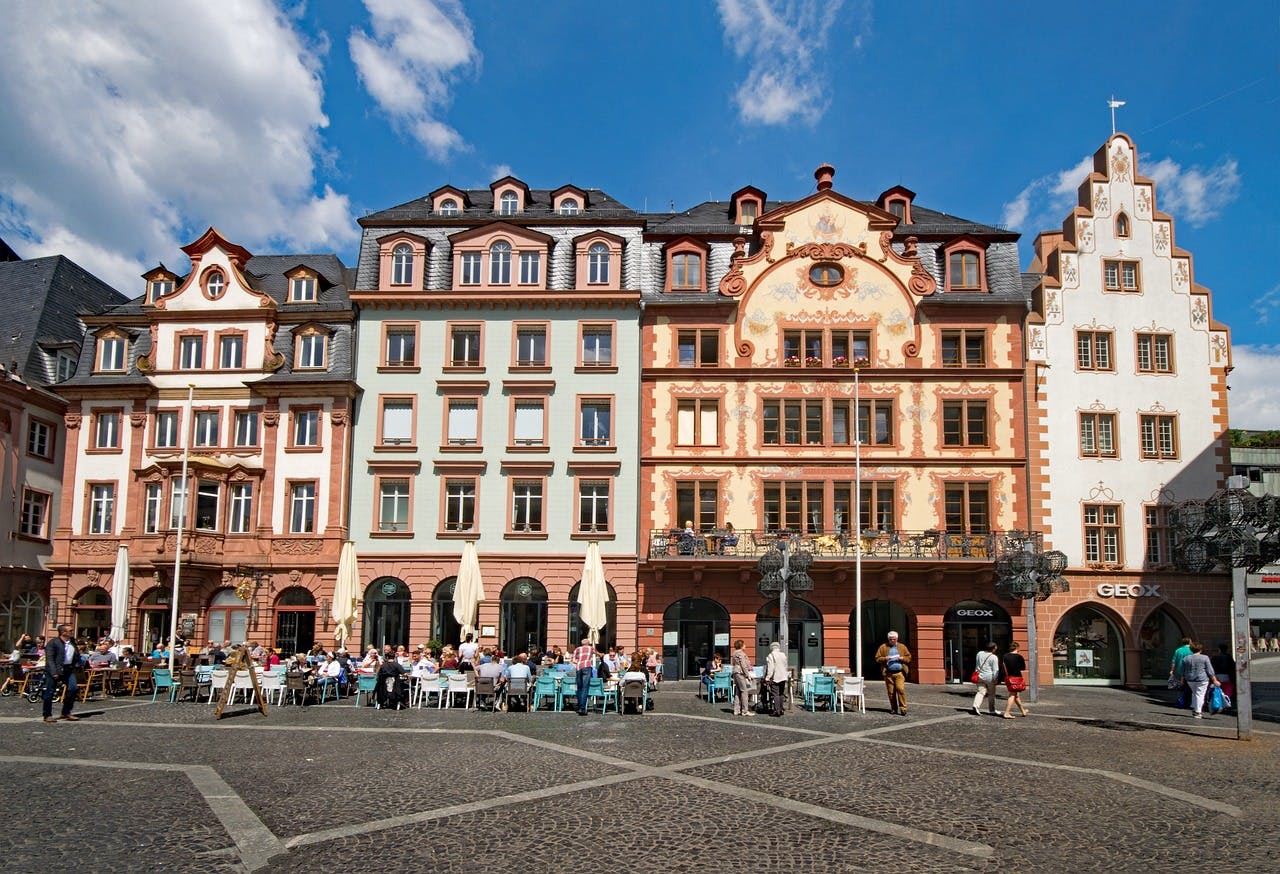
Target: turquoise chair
162, 678
365, 683
722, 682
596, 689
568, 689
820, 686
545, 687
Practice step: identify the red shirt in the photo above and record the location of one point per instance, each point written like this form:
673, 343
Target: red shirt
584, 657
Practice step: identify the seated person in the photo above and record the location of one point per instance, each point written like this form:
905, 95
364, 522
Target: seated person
102, 657
603, 671
518, 669
371, 661
730, 537
329, 673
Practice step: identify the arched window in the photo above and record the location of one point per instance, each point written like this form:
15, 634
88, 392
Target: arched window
578, 629
295, 620
598, 263
92, 612
387, 603
522, 616
228, 617
695, 622
448, 207
402, 264
804, 636
568, 206
1159, 637
500, 263
1087, 646
1122, 225
509, 204
444, 627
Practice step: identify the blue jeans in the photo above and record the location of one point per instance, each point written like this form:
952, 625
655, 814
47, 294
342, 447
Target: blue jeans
51, 689
584, 681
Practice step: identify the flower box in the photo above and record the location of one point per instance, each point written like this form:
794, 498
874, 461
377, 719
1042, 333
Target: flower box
812, 362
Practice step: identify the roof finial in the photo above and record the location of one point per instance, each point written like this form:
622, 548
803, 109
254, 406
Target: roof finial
823, 174
1114, 104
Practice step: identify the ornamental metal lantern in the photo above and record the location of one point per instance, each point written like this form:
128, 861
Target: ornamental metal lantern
782, 568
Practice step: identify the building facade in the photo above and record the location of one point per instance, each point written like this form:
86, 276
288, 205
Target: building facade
499, 362
242, 368
39, 347
1127, 370
1256, 457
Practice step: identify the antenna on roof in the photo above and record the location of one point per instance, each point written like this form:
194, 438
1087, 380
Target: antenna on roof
1114, 104
673, 205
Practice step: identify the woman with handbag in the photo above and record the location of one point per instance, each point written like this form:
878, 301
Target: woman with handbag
1014, 681
987, 672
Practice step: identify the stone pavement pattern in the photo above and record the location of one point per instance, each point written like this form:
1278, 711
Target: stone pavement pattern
1095, 779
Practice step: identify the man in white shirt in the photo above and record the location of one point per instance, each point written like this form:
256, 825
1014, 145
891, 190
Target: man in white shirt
467, 653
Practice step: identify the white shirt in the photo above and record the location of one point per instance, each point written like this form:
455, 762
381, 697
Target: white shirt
331, 669
467, 651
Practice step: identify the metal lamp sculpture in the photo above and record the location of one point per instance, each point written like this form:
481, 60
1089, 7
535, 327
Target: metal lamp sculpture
782, 570
1024, 572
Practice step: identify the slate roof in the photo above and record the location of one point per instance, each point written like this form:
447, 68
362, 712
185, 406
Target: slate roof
7, 253
713, 217
537, 206
41, 299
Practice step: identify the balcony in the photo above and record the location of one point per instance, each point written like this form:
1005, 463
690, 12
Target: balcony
676, 545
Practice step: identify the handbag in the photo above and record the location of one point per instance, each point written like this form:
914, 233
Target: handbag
1015, 684
973, 678
1174, 683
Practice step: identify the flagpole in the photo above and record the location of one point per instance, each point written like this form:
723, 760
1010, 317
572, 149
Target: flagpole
182, 523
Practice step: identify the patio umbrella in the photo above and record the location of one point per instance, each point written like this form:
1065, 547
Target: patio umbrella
469, 591
120, 595
344, 592
593, 593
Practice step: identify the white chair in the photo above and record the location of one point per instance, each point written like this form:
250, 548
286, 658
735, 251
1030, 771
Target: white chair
218, 679
272, 687
853, 687
459, 685
243, 682
432, 684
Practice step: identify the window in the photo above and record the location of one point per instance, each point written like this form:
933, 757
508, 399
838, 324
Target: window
529, 424
311, 349
111, 353
302, 289
509, 203
697, 502
962, 271
167, 429
598, 264
964, 423
464, 346
40, 439
35, 514
1098, 435
459, 504
698, 348
1120, 276
1155, 520
568, 206
792, 422
1122, 225
1102, 533
102, 508
526, 505
875, 422
531, 346
246, 428
794, 506
66, 367
306, 428
965, 348
106, 431
1159, 436
241, 509
207, 493
402, 347
397, 422
215, 284
302, 508
530, 268
402, 264
500, 263
826, 275
897, 208
597, 345
161, 288
698, 422
178, 504
1155, 353
748, 212
967, 507
207, 429
464, 420
850, 346
686, 271
231, 352
593, 505
1093, 350
877, 506
393, 504
596, 422
448, 207
152, 507
802, 347
470, 268
191, 352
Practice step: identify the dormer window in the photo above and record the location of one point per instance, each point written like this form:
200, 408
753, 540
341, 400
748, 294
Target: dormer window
302, 289
112, 351
598, 264
747, 203
402, 264
897, 202
750, 211
1122, 225
965, 265
311, 351
161, 288
500, 262
898, 207
215, 284
509, 203
449, 207
66, 366
569, 206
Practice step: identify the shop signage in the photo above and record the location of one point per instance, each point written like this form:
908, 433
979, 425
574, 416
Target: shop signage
977, 614
1111, 590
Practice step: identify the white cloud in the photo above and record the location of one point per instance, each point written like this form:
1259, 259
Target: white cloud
1195, 194
410, 62
127, 129
1254, 400
783, 43
1045, 201
501, 170
1265, 303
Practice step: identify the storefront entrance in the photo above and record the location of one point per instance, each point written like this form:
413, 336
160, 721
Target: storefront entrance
1088, 649
692, 628
578, 629
967, 629
444, 627
1159, 636
523, 616
386, 613
804, 633
295, 621
92, 612
878, 619
153, 620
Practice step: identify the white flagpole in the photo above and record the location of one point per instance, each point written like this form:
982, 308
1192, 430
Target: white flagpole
182, 523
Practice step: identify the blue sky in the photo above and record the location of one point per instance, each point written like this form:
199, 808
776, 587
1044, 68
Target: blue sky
125, 129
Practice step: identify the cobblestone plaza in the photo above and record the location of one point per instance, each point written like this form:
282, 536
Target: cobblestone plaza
1094, 779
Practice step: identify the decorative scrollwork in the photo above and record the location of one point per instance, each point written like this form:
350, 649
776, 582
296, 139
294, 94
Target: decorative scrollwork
297, 547
911, 349
72, 421
93, 547
746, 348
143, 363
922, 281
734, 284
826, 251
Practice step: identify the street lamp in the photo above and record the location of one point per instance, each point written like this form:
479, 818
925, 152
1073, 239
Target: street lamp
1024, 572
858, 364
783, 568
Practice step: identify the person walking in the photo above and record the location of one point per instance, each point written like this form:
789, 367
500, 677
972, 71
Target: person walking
584, 659
776, 674
988, 671
61, 658
1175, 671
1014, 681
894, 659
740, 671
1197, 673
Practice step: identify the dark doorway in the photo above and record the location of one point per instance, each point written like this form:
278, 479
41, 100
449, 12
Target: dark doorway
878, 619
804, 633
523, 616
386, 613
692, 628
295, 621
967, 629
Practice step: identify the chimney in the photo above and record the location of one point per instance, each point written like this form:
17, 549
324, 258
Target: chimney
823, 174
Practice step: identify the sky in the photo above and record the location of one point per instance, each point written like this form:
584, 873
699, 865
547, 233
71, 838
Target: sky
126, 128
